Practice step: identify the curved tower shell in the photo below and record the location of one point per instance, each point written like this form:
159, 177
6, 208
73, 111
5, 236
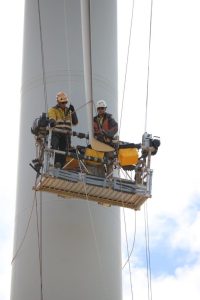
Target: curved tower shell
65, 249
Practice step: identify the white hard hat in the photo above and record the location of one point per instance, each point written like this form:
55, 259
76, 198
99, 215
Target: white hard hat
101, 103
61, 97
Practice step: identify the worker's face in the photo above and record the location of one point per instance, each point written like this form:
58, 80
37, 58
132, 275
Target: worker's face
101, 111
62, 104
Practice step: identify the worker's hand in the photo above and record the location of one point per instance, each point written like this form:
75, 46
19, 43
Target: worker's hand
107, 133
52, 123
81, 135
71, 107
100, 137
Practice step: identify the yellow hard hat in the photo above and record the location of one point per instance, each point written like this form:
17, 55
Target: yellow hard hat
61, 97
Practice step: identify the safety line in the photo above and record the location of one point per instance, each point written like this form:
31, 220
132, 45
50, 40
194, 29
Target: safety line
90, 34
39, 236
80, 107
26, 230
127, 61
92, 223
148, 68
42, 57
148, 261
133, 245
91, 218
68, 66
130, 274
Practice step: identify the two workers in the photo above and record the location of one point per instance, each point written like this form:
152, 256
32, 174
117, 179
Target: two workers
63, 116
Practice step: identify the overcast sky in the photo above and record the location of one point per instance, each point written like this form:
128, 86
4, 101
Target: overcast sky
173, 114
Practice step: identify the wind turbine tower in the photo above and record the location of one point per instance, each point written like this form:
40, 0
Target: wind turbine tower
64, 249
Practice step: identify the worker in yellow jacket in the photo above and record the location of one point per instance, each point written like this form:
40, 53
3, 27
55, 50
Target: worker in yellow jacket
63, 117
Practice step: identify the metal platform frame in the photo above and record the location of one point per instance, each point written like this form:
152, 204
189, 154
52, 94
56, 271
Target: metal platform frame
80, 185
115, 191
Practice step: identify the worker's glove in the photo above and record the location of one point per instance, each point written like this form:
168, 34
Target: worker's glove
71, 107
52, 123
107, 133
81, 135
100, 137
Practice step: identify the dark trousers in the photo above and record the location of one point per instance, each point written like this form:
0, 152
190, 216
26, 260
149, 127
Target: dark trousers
61, 142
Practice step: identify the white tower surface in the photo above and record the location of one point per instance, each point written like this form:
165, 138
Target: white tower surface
79, 240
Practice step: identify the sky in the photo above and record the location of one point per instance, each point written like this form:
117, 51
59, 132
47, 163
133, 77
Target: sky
172, 114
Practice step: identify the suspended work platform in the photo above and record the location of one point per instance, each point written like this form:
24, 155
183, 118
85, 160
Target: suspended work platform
90, 175
115, 191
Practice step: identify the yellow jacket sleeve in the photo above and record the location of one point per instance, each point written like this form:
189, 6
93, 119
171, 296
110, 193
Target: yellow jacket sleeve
52, 114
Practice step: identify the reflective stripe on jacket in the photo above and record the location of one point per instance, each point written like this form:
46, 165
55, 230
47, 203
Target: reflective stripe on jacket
64, 118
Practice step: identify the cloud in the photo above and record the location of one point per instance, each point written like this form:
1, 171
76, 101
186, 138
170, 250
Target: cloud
187, 237
184, 284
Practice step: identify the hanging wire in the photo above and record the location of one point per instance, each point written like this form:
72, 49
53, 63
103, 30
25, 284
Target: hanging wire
91, 217
42, 57
39, 235
130, 274
90, 34
26, 230
83, 105
133, 245
68, 67
148, 260
127, 61
148, 68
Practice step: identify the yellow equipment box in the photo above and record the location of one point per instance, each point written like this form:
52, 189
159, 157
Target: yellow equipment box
93, 154
128, 156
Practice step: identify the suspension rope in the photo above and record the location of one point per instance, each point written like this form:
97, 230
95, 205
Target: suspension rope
91, 219
127, 61
133, 245
148, 68
148, 261
68, 67
83, 105
26, 230
42, 57
127, 247
90, 34
39, 236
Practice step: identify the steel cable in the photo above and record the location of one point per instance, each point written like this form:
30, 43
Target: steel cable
42, 58
148, 67
127, 61
148, 257
26, 230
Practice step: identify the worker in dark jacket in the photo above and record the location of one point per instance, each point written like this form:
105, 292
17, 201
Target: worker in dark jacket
62, 116
105, 127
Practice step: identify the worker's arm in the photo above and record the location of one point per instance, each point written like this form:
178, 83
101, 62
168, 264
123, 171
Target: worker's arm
52, 116
113, 128
73, 114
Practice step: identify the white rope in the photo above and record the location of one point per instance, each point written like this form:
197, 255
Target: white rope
148, 68
26, 230
128, 254
39, 235
43, 60
133, 245
66, 31
90, 214
148, 261
127, 61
